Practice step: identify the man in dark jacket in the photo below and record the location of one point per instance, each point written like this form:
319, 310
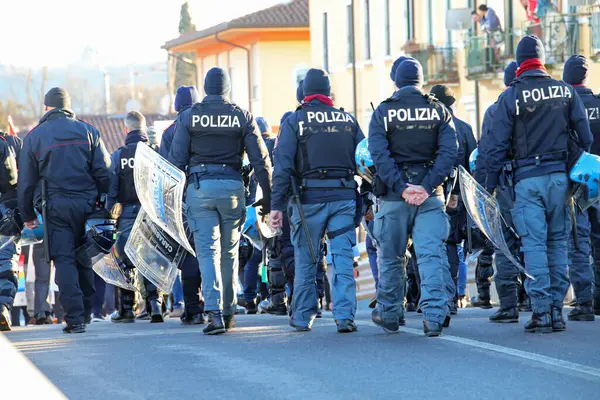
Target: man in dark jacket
70, 156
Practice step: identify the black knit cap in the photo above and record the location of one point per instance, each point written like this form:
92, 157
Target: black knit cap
444, 94
57, 98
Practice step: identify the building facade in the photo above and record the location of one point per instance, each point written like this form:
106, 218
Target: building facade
266, 54
356, 41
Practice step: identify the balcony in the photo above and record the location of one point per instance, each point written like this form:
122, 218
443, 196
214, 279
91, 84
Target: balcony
439, 63
560, 35
487, 54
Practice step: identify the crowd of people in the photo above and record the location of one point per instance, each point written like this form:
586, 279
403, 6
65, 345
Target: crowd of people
320, 180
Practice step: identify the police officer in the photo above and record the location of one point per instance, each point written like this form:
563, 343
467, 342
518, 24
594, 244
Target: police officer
316, 148
507, 275
455, 209
210, 140
413, 144
533, 118
70, 156
122, 190
15, 143
581, 271
9, 254
191, 281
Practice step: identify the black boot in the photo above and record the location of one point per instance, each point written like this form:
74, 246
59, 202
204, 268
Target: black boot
229, 321
389, 327
5, 324
432, 329
597, 305
525, 305
156, 311
251, 306
373, 302
583, 312
78, 328
446, 323
276, 305
125, 312
558, 321
453, 307
346, 326
411, 307
193, 315
215, 324
506, 315
481, 302
539, 323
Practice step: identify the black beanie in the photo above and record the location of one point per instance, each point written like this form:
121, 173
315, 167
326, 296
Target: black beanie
530, 47
186, 96
576, 70
409, 73
510, 73
444, 94
217, 82
57, 98
316, 81
300, 92
395, 66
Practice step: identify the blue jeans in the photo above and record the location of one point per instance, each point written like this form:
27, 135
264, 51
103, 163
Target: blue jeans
215, 214
330, 217
542, 221
9, 273
177, 293
461, 284
428, 224
581, 271
251, 275
372, 254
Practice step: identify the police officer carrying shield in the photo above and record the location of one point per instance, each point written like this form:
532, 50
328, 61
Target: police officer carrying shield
581, 271
122, 190
315, 151
413, 144
70, 156
210, 140
9, 254
191, 280
533, 118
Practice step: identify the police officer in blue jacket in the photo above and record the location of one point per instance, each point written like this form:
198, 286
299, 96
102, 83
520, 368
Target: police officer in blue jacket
70, 156
455, 209
413, 144
9, 254
507, 277
122, 190
209, 142
316, 148
581, 271
191, 280
15, 143
533, 118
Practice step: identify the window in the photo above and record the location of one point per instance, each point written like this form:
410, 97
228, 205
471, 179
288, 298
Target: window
388, 37
350, 30
325, 44
410, 20
367, 31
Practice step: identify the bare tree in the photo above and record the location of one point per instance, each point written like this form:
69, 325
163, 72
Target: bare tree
33, 89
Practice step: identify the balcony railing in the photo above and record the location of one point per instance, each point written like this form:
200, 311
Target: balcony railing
488, 53
559, 33
439, 63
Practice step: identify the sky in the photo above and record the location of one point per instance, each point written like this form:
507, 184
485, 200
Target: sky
106, 33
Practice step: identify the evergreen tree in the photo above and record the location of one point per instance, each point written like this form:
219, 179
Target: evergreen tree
185, 74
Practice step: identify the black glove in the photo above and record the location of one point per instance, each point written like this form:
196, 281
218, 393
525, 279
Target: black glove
265, 203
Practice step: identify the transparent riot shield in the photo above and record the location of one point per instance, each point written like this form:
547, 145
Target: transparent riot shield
28, 236
154, 253
485, 212
110, 269
160, 187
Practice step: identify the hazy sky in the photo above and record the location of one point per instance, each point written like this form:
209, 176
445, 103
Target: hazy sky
56, 33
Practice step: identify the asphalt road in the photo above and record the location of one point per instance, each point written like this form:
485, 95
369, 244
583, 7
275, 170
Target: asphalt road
263, 358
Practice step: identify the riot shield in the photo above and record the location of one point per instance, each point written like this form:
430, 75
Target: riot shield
485, 212
154, 253
28, 236
110, 269
160, 187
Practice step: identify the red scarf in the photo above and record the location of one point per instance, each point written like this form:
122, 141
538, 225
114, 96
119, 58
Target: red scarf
321, 97
531, 64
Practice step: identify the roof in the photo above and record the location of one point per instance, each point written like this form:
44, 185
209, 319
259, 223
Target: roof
111, 127
293, 14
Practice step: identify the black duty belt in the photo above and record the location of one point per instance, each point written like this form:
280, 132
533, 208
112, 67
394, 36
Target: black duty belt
341, 183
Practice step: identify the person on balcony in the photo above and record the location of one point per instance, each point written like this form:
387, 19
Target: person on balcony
491, 25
